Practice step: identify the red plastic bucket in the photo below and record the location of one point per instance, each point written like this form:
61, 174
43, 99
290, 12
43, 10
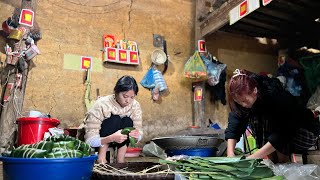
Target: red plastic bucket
31, 129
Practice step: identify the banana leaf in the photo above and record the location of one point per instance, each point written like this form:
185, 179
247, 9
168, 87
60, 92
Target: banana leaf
61, 138
69, 138
71, 143
133, 141
83, 147
222, 168
28, 153
64, 144
56, 149
6, 153
127, 130
221, 160
65, 154
56, 138
262, 172
44, 145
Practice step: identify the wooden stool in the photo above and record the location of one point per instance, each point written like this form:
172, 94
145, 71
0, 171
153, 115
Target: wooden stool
112, 155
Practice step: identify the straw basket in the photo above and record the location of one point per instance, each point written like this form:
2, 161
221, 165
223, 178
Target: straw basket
131, 170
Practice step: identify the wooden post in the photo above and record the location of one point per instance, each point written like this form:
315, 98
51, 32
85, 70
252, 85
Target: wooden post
12, 108
198, 105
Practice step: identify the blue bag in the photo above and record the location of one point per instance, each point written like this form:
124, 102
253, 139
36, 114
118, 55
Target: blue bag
148, 80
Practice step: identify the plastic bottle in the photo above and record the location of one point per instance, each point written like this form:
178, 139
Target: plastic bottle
252, 144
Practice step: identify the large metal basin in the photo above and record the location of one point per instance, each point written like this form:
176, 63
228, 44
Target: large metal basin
187, 142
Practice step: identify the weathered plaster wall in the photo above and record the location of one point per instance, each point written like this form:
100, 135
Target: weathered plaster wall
76, 27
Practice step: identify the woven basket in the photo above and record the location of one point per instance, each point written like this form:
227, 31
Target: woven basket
133, 167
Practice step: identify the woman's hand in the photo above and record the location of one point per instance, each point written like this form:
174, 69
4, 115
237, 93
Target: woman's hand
135, 133
118, 137
230, 155
262, 152
231, 146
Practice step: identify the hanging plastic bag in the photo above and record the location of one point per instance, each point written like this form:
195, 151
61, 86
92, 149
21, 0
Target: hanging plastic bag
214, 70
161, 85
148, 80
195, 68
159, 80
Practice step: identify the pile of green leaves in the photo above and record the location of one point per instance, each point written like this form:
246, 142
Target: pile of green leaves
62, 146
222, 168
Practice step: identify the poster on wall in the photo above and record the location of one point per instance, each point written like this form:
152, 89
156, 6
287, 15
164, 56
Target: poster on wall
202, 46
110, 54
133, 57
197, 94
121, 56
86, 62
243, 9
265, 2
108, 40
120, 51
26, 17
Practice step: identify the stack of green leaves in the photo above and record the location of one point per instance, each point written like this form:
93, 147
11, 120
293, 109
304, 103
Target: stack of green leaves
69, 142
62, 146
37, 150
222, 168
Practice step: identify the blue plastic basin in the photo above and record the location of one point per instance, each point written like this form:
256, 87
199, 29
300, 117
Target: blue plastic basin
202, 152
48, 169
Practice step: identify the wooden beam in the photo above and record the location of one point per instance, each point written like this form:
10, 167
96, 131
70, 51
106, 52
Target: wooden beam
302, 11
197, 34
218, 18
261, 24
285, 4
312, 3
259, 31
275, 13
258, 16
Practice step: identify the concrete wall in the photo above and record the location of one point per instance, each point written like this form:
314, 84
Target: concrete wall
76, 27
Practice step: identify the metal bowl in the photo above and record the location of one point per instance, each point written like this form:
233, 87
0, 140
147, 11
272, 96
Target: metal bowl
187, 142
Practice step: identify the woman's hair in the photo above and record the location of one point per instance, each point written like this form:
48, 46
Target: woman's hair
242, 82
126, 83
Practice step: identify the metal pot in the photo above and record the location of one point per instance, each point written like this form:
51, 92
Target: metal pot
202, 152
187, 142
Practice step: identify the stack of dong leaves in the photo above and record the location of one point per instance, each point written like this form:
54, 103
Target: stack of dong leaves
62, 146
126, 131
195, 168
